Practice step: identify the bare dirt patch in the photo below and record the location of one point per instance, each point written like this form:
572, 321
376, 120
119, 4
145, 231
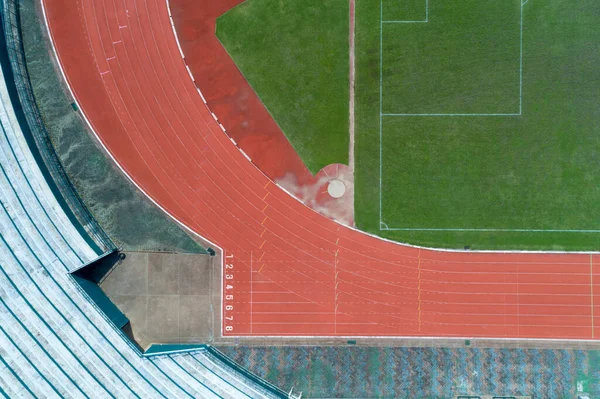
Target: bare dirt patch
166, 297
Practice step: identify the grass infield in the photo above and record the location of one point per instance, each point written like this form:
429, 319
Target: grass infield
526, 160
294, 54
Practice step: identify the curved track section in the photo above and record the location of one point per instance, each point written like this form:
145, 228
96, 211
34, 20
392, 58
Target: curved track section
53, 342
289, 271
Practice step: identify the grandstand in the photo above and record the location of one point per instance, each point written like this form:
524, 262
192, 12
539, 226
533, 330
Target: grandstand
58, 338
54, 342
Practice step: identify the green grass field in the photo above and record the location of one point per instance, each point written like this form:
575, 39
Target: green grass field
476, 121
537, 170
294, 54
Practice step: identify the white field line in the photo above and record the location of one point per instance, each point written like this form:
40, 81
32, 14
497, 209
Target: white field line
382, 225
417, 337
352, 22
252, 291
508, 114
380, 108
491, 230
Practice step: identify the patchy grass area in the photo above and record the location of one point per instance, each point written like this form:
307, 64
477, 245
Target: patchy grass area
294, 54
130, 220
447, 179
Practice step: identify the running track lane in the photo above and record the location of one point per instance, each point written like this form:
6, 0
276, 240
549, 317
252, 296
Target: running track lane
289, 270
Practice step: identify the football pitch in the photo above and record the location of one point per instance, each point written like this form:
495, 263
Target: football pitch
477, 123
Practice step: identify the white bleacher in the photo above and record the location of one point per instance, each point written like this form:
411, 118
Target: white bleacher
53, 341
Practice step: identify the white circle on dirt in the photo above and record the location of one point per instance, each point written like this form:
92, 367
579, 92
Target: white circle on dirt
336, 188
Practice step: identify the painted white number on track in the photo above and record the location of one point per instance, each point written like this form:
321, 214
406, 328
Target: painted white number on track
228, 294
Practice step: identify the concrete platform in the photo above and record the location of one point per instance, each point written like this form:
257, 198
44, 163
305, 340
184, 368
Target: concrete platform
167, 297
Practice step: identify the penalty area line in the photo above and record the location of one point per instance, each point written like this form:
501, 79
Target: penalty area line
515, 114
384, 226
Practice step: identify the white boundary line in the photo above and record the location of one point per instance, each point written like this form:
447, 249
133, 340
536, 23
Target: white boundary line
481, 251
451, 114
252, 292
380, 111
490, 230
418, 337
382, 225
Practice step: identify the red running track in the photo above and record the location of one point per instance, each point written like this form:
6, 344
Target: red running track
289, 270
228, 94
